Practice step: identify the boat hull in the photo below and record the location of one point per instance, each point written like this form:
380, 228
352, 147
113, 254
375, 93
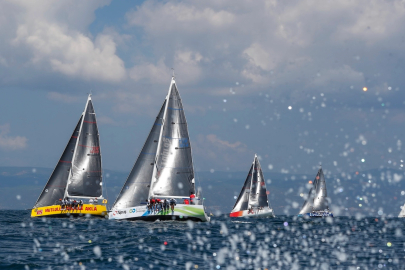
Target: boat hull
264, 213
181, 212
317, 214
57, 211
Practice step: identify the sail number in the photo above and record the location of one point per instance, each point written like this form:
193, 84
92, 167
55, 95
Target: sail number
183, 143
95, 150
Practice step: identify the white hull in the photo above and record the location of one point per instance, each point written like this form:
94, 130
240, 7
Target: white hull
181, 212
263, 213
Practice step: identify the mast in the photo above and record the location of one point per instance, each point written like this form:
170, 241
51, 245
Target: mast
253, 196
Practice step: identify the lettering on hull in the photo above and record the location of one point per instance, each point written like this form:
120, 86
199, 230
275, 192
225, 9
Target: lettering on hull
57, 209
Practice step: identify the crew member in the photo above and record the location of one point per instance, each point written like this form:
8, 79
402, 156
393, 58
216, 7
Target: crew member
172, 203
148, 204
165, 205
192, 197
152, 204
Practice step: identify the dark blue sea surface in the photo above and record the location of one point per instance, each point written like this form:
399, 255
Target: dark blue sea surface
224, 243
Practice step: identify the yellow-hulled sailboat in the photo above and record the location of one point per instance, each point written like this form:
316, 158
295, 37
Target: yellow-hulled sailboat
77, 176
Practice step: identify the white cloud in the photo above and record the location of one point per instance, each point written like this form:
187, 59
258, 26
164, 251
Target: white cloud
186, 66
51, 36
62, 97
269, 43
11, 143
71, 54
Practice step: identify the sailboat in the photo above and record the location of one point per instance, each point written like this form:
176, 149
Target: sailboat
252, 200
402, 213
163, 171
77, 176
316, 204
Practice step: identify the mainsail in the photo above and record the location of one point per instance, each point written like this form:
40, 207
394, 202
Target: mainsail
173, 173
56, 185
136, 189
254, 192
85, 179
317, 195
320, 201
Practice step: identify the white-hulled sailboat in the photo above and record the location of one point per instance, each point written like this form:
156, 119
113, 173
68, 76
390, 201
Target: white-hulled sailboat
316, 204
163, 170
252, 200
77, 175
402, 213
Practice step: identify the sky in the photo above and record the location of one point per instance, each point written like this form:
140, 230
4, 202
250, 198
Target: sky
297, 82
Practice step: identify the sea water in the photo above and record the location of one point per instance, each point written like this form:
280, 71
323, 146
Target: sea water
284, 242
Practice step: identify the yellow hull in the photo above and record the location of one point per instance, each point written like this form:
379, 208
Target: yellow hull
55, 210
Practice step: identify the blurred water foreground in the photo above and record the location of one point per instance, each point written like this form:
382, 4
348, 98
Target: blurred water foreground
284, 242
375, 193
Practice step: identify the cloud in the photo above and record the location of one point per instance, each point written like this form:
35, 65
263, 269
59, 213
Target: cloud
224, 144
224, 154
11, 143
276, 45
62, 97
186, 67
52, 37
71, 54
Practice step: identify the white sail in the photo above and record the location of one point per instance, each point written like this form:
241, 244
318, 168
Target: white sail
172, 173
252, 200
320, 201
402, 213
316, 203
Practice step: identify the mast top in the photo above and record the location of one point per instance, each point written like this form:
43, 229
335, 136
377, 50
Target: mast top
173, 76
254, 160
